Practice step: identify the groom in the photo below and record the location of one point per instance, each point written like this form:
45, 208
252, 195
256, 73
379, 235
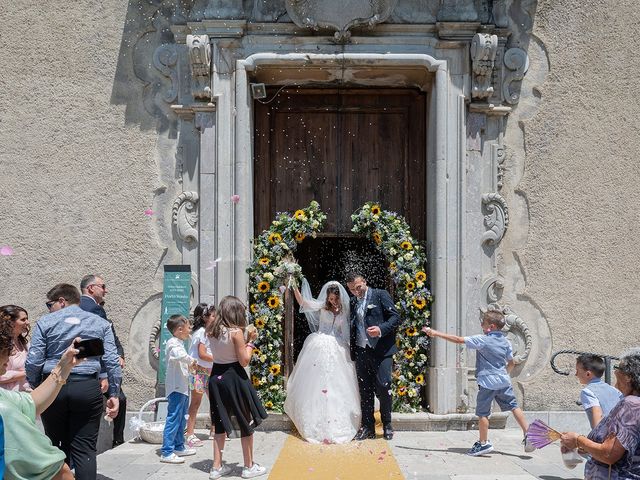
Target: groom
374, 321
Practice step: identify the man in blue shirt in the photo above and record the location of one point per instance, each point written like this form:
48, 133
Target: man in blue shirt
73, 419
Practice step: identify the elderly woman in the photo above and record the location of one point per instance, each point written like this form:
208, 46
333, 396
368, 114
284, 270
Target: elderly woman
614, 444
28, 454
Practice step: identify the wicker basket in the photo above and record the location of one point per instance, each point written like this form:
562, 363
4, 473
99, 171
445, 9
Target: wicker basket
151, 432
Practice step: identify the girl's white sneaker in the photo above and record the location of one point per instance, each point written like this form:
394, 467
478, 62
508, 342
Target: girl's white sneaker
255, 471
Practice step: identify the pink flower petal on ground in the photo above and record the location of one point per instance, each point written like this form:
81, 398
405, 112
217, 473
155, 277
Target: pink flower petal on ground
149, 213
6, 251
324, 391
383, 452
235, 198
311, 469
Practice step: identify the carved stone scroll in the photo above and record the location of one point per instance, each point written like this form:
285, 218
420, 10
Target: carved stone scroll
339, 15
185, 216
164, 59
200, 61
483, 55
517, 62
517, 330
497, 218
492, 289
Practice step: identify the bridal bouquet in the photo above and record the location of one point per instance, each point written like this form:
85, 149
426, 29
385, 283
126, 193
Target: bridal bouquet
288, 271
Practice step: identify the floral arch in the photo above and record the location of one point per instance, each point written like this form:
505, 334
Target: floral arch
273, 262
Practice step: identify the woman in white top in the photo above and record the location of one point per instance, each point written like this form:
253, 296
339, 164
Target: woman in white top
235, 404
323, 400
199, 378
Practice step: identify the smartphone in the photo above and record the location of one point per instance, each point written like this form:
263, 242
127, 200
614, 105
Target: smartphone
90, 347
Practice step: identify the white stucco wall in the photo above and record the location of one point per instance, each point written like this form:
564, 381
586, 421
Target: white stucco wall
77, 168
579, 178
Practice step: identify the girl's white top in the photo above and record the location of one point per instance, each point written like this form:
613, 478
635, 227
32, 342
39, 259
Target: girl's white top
222, 348
199, 337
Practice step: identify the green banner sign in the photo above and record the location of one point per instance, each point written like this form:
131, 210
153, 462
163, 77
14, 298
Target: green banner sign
176, 300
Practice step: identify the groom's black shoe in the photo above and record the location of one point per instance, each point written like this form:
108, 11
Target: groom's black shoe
364, 433
387, 432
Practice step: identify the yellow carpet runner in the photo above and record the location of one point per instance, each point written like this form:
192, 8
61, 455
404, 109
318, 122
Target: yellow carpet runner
367, 460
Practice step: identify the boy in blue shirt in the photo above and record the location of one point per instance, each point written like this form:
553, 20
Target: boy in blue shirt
597, 397
494, 361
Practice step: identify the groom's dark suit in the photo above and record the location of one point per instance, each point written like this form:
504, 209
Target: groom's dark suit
375, 362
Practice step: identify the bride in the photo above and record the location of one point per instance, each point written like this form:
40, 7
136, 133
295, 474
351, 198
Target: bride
322, 391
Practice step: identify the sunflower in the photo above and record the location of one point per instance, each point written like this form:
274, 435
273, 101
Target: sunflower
420, 379
254, 308
255, 380
409, 353
264, 287
392, 266
260, 323
419, 303
264, 261
377, 238
255, 351
406, 245
421, 276
273, 302
274, 369
396, 374
402, 391
268, 404
300, 236
410, 286
411, 331
375, 210
275, 238
300, 215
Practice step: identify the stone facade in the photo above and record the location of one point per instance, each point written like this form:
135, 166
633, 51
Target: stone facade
155, 112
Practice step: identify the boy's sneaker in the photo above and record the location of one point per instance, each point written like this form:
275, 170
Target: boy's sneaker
255, 471
172, 458
185, 453
480, 449
219, 472
528, 446
193, 441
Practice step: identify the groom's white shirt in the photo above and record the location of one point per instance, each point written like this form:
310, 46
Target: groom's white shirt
363, 340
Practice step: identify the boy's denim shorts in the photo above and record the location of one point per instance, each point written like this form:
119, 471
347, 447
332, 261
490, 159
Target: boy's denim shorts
504, 397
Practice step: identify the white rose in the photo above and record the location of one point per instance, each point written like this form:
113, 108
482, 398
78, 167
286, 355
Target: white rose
392, 251
263, 358
268, 276
408, 256
315, 224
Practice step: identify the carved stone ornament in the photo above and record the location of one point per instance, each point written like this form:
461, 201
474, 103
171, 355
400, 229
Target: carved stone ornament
200, 61
497, 219
517, 331
492, 289
517, 62
483, 54
339, 15
165, 58
185, 216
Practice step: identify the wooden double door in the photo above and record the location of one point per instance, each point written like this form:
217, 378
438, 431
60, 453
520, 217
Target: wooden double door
341, 148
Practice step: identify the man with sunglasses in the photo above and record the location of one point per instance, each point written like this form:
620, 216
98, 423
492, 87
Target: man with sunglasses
93, 291
73, 419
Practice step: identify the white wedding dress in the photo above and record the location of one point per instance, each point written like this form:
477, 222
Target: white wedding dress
323, 400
